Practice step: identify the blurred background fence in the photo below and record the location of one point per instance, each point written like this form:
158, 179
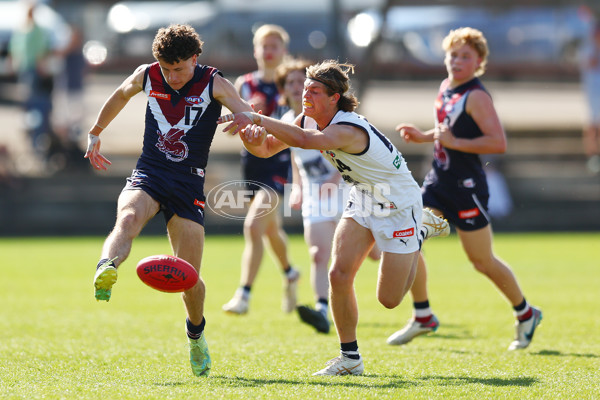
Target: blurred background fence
47, 189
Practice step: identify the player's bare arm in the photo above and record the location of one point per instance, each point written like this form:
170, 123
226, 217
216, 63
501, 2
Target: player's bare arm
343, 137
131, 86
481, 108
226, 94
410, 133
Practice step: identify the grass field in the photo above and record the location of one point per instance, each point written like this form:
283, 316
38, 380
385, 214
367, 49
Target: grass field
56, 341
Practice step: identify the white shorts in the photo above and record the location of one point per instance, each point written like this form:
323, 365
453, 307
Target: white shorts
322, 206
395, 231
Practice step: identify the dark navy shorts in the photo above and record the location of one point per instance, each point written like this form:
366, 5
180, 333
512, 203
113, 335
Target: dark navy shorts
464, 203
179, 193
273, 172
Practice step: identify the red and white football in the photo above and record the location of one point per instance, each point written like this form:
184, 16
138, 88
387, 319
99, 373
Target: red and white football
167, 273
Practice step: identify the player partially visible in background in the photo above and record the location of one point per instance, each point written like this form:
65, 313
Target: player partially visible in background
184, 103
466, 126
263, 220
590, 80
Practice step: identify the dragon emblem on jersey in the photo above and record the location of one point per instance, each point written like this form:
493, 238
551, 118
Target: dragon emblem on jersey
440, 155
171, 144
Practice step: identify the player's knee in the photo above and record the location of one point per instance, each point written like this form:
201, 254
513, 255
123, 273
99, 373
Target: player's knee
339, 279
128, 221
481, 266
389, 300
253, 229
318, 255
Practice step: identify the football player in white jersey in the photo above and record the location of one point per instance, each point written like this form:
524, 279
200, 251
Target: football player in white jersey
384, 204
318, 190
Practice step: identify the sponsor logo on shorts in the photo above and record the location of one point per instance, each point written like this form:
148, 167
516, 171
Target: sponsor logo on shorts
404, 233
198, 203
159, 95
466, 214
468, 183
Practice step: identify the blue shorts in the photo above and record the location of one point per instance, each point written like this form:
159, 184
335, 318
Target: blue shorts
273, 172
178, 193
464, 203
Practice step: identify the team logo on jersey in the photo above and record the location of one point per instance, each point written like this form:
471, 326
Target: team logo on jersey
397, 162
159, 95
172, 145
330, 153
194, 99
440, 155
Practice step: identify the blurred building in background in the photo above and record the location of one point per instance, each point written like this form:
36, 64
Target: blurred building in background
389, 41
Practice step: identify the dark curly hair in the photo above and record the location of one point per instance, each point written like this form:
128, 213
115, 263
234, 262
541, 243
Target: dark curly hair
176, 43
334, 76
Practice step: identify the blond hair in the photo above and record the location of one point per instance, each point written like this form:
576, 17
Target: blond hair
290, 65
471, 37
334, 76
271, 29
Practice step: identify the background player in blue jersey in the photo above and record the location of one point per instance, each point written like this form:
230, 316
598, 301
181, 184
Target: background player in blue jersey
466, 125
184, 103
265, 175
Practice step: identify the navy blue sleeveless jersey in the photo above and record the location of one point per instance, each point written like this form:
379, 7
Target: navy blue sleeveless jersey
180, 125
450, 110
273, 171
457, 184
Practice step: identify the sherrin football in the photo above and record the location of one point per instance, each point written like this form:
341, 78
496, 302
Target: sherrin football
167, 273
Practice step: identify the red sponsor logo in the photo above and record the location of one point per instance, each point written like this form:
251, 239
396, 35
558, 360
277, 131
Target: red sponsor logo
198, 203
404, 233
472, 213
160, 95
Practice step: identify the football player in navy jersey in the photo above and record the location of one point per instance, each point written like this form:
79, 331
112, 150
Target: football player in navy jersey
384, 203
265, 177
184, 103
466, 126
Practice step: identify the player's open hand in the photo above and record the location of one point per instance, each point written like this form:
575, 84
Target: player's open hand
410, 133
238, 121
92, 153
253, 134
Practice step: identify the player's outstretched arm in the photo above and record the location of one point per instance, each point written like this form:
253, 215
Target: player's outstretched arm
111, 108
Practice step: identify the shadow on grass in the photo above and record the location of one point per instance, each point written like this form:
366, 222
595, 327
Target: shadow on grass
364, 382
559, 354
466, 380
447, 331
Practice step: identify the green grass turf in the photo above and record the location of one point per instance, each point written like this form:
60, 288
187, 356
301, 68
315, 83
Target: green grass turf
56, 341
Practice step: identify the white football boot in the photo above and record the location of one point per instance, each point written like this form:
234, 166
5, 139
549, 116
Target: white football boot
434, 225
412, 330
525, 330
342, 365
238, 304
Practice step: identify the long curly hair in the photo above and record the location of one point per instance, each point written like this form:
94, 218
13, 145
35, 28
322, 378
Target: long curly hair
334, 76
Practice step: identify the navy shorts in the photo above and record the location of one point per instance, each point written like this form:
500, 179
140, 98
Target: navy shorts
464, 203
178, 193
273, 172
